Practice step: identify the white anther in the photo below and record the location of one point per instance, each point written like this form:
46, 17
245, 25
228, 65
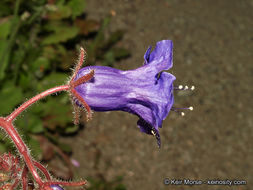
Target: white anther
182, 113
191, 108
186, 87
193, 87
153, 133
180, 87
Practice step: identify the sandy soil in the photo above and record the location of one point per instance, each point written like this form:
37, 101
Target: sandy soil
213, 51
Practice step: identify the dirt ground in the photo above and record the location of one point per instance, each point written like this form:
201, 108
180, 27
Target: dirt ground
212, 51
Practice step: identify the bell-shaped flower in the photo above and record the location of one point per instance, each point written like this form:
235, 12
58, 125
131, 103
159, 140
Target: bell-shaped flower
146, 91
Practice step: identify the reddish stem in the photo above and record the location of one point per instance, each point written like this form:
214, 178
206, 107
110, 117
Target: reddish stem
83, 79
15, 183
11, 131
42, 169
28, 103
82, 56
24, 177
81, 100
7, 125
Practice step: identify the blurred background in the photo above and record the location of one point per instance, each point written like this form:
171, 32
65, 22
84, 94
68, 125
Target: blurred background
39, 42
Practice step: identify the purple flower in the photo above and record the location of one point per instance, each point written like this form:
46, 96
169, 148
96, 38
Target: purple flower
146, 91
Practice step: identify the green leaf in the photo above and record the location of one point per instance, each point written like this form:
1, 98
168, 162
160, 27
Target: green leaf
5, 28
61, 50
10, 96
4, 57
71, 129
120, 53
99, 39
109, 58
24, 80
17, 59
114, 54
31, 121
61, 33
39, 66
34, 124
41, 63
52, 80
59, 12
56, 113
49, 52
77, 7
6, 46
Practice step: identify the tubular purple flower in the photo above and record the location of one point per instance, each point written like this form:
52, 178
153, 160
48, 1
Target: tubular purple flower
146, 91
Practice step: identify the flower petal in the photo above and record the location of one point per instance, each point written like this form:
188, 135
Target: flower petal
162, 54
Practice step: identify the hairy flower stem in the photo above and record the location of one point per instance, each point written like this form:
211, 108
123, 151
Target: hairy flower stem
7, 124
10, 130
28, 103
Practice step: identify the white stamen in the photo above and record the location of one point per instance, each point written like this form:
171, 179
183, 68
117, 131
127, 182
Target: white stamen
186, 87
182, 113
180, 87
191, 108
193, 87
153, 133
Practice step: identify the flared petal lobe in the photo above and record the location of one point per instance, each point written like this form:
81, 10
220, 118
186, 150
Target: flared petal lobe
146, 91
